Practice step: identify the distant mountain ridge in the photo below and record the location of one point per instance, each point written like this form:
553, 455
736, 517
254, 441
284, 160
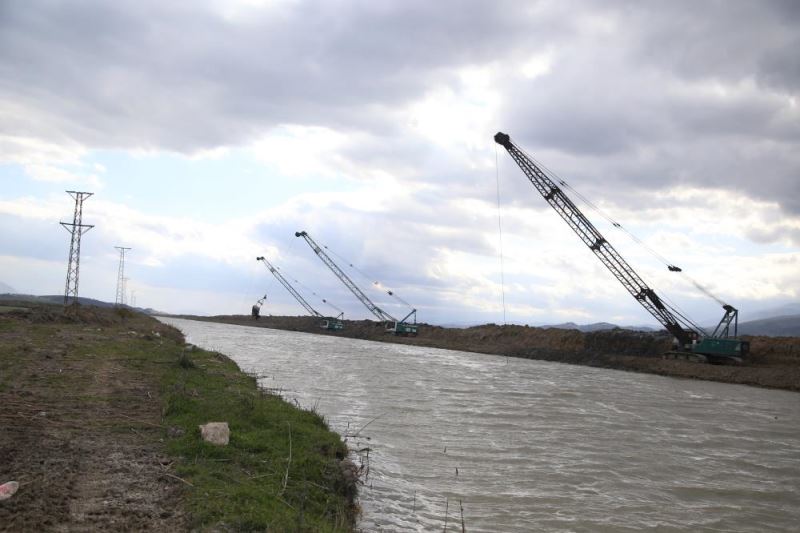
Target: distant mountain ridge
59, 299
4, 288
774, 326
597, 326
779, 326
784, 310
53, 299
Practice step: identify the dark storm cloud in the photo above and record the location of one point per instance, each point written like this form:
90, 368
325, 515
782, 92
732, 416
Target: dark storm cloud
697, 94
631, 89
780, 68
150, 74
729, 40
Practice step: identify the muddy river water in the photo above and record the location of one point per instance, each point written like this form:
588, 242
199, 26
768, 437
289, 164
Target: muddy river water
512, 445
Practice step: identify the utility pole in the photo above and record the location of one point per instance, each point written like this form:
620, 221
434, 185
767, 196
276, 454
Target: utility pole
121, 279
76, 229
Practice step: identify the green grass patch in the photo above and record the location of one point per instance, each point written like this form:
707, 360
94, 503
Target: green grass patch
9, 308
280, 471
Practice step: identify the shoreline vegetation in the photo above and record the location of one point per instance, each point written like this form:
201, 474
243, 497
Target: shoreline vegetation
100, 411
774, 362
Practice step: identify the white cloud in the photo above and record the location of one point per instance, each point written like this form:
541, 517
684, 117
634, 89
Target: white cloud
36, 151
458, 116
296, 151
538, 64
54, 174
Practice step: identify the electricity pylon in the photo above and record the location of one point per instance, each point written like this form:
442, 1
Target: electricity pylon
76, 229
120, 299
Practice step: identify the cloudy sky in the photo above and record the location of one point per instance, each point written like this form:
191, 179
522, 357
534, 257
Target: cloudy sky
211, 131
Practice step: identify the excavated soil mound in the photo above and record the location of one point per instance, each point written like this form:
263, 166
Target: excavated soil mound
773, 362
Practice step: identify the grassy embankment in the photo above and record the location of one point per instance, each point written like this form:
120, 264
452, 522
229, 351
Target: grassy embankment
101, 412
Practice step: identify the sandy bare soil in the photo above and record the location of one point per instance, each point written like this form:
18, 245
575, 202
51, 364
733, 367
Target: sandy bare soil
80, 430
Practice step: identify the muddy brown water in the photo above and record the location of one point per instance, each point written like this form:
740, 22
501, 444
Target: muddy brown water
523, 445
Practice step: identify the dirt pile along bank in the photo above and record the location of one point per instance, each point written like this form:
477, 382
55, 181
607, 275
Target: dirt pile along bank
774, 361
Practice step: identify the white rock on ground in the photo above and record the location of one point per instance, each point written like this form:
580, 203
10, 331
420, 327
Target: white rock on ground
8, 489
216, 433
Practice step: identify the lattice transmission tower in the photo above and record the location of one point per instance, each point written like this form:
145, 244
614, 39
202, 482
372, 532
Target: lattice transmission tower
76, 229
121, 279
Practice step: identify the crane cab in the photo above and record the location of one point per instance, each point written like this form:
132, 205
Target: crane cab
403, 329
331, 324
722, 350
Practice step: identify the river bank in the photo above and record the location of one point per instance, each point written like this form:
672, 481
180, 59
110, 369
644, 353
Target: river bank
100, 411
774, 362
525, 445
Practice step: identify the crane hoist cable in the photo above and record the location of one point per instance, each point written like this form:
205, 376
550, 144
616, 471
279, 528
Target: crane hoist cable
600, 247
393, 325
370, 279
351, 265
345, 279
390, 292
694, 342
670, 266
500, 233
288, 251
679, 313
288, 286
309, 289
333, 306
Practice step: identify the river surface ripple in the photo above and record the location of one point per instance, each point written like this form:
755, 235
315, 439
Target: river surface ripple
526, 445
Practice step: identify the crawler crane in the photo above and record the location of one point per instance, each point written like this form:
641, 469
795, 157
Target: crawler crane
333, 324
397, 327
256, 310
693, 343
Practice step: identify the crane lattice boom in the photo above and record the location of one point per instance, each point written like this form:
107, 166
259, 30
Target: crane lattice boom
598, 244
292, 291
369, 304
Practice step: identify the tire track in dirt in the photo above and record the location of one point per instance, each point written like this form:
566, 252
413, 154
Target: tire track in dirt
81, 434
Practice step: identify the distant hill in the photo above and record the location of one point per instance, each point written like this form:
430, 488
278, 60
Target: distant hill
53, 299
597, 326
59, 299
6, 288
789, 309
780, 326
